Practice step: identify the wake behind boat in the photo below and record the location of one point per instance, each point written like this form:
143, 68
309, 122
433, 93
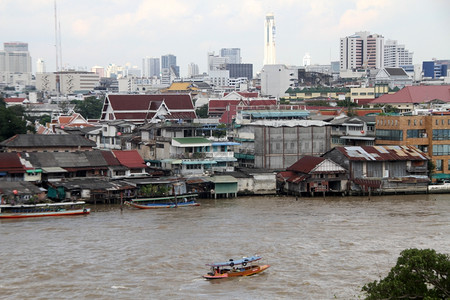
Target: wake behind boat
235, 268
14, 211
164, 202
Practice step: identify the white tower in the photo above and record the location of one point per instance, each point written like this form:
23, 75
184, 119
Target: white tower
306, 60
40, 66
269, 40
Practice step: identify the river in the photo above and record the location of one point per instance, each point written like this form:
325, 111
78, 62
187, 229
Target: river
317, 248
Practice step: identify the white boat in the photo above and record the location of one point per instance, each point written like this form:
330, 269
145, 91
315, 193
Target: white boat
14, 211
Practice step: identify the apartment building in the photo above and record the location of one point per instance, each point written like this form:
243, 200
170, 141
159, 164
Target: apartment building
430, 134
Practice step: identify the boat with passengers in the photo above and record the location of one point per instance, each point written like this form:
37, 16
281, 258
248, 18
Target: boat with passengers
235, 268
164, 202
54, 209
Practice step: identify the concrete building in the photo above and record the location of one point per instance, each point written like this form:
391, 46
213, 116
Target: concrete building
240, 70
151, 66
276, 79
233, 55
269, 40
362, 51
193, 70
15, 60
393, 77
434, 70
216, 62
70, 82
430, 134
396, 55
40, 66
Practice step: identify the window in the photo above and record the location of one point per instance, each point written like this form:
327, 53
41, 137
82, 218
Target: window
439, 165
441, 150
390, 135
441, 134
415, 133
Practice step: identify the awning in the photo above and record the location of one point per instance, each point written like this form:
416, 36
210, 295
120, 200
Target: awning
199, 162
220, 159
441, 176
54, 170
35, 171
225, 144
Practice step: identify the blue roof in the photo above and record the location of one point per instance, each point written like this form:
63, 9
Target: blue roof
235, 262
225, 144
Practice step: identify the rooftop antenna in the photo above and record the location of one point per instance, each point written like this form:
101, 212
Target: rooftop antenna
56, 53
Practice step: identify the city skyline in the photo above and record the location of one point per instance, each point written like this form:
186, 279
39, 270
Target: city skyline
114, 32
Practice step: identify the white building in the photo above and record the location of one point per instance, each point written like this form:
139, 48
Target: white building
15, 59
306, 60
396, 55
70, 82
269, 40
362, 51
216, 62
193, 70
40, 66
219, 77
276, 79
233, 55
151, 66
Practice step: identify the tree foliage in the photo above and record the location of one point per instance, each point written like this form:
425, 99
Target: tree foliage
418, 274
12, 121
202, 111
89, 108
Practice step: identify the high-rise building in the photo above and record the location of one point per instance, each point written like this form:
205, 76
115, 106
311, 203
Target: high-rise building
15, 59
362, 51
233, 55
269, 40
216, 62
193, 70
40, 66
151, 67
169, 61
396, 55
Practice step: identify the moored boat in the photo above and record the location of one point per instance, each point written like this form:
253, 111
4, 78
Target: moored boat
235, 268
164, 202
15, 211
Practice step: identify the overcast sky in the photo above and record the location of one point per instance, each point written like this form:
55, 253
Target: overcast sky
102, 32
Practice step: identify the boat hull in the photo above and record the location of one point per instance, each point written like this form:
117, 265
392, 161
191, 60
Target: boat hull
246, 272
162, 205
61, 213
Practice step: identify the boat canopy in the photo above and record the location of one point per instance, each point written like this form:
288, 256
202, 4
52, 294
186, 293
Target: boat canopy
236, 262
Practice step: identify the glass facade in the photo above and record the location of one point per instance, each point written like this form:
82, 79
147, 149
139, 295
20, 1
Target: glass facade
389, 135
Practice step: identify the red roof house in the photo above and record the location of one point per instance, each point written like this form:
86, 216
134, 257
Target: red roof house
129, 158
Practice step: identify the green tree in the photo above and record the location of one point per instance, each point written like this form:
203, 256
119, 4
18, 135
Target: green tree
220, 131
89, 108
11, 121
202, 111
418, 274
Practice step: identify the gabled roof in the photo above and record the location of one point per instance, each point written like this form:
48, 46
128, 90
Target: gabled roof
44, 140
67, 160
381, 153
14, 100
306, 164
110, 159
416, 94
396, 72
129, 158
10, 162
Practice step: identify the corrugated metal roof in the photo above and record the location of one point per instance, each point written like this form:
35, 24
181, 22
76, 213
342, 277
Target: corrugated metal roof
382, 153
47, 140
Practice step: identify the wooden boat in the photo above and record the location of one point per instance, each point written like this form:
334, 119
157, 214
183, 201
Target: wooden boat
234, 268
10, 211
164, 202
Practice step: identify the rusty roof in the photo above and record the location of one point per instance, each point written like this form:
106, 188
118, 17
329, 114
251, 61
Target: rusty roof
382, 153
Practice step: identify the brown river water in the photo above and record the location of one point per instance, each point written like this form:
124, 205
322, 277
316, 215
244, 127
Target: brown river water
317, 248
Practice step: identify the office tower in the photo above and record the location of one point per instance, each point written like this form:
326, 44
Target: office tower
233, 55
396, 55
193, 70
151, 67
40, 66
362, 51
169, 61
434, 70
269, 40
15, 58
216, 62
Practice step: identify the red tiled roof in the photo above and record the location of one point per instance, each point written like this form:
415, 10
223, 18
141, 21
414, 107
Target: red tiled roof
306, 164
258, 102
143, 102
14, 100
134, 116
129, 158
416, 94
110, 159
10, 162
216, 103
